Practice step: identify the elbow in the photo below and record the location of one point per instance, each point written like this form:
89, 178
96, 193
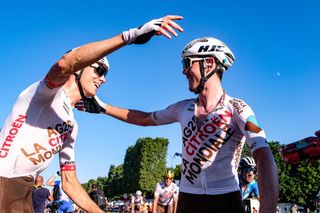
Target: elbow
63, 66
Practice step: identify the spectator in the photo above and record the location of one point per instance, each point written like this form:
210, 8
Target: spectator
65, 203
137, 202
98, 196
248, 185
40, 195
294, 208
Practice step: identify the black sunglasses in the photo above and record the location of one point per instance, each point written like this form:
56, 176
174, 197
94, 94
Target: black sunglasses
100, 70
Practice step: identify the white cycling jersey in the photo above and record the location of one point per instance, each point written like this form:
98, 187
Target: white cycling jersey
40, 125
165, 193
211, 152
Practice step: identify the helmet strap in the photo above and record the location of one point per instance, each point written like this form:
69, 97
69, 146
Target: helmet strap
79, 84
204, 78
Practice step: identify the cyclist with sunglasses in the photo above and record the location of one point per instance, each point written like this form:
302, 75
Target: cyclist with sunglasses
42, 124
248, 184
214, 128
166, 195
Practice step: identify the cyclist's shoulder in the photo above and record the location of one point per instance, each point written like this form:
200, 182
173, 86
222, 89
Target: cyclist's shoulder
161, 184
237, 103
190, 101
253, 184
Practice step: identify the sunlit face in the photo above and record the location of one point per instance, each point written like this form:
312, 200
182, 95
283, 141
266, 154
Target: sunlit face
248, 176
192, 72
168, 181
91, 81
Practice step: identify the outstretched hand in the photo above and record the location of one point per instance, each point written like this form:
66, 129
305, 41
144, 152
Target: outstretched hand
92, 105
162, 26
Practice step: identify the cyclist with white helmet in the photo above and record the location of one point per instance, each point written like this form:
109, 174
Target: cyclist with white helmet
166, 195
214, 128
248, 185
42, 124
137, 203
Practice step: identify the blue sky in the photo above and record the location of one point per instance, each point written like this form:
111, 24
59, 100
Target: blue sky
276, 71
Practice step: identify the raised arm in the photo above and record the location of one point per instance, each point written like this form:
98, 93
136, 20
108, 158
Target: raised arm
267, 180
90, 53
50, 181
82, 57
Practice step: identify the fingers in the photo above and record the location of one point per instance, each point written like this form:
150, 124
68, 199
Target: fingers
169, 26
172, 23
174, 17
163, 32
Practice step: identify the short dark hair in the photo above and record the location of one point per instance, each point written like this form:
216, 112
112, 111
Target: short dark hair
94, 186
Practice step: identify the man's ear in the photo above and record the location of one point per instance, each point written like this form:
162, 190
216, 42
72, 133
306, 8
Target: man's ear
209, 63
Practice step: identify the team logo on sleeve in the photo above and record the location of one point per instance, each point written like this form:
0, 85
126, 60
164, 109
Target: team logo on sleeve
252, 124
238, 105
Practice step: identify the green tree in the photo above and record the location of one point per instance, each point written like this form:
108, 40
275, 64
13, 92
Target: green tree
144, 164
130, 170
153, 161
114, 182
87, 186
102, 184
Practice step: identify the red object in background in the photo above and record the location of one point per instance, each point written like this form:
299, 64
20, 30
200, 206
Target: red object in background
307, 148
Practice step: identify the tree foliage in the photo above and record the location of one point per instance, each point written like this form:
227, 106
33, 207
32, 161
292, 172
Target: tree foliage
144, 164
114, 183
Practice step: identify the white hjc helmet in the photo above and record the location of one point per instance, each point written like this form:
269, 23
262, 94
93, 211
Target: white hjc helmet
104, 62
208, 46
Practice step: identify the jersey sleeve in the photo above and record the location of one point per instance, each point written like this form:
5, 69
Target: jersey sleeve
47, 193
248, 125
39, 93
176, 190
256, 189
168, 115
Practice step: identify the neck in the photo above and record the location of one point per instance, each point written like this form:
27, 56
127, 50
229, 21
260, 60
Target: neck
211, 94
72, 90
